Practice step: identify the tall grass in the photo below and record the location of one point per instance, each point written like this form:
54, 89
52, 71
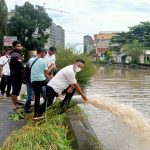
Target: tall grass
49, 135
68, 56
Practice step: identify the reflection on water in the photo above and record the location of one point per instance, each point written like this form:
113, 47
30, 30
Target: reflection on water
125, 86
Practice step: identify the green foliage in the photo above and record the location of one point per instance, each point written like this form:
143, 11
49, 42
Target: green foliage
108, 55
29, 25
50, 135
140, 32
68, 56
17, 115
3, 21
135, 49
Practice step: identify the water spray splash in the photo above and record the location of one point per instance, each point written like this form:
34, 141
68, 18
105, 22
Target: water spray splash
125, 113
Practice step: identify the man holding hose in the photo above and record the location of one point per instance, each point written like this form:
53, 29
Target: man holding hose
64, 79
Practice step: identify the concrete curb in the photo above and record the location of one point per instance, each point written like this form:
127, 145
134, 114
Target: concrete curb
83, 133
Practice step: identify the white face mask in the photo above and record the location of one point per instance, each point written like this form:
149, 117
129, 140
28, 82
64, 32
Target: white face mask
77, 69
8, 56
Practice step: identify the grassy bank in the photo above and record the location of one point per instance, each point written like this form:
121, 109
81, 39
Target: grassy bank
52, 134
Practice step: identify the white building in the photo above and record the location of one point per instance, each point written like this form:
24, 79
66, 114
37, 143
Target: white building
56, 36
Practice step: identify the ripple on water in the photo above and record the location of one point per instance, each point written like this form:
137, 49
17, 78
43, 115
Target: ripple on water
126, 86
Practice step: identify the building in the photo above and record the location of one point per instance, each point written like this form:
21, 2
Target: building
11, 14
88, 44
56, 37
124, 58
56, 34
102, 42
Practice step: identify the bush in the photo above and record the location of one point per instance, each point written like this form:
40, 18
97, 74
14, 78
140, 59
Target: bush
68, 56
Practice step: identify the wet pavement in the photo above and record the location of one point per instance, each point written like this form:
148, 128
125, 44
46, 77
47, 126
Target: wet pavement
6, 125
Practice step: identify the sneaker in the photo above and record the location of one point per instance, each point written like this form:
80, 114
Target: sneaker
28, 111
36, 119
2, 96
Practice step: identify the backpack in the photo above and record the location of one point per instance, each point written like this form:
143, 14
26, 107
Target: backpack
27, 72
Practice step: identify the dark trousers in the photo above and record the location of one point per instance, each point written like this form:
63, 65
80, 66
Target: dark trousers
37, 87
67, 98
5, 81
50, 95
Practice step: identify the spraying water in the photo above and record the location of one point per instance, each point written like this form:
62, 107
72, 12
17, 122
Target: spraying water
125, 113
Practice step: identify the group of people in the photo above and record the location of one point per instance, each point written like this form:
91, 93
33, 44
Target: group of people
40, 76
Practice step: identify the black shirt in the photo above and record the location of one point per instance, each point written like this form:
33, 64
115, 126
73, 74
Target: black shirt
16, 62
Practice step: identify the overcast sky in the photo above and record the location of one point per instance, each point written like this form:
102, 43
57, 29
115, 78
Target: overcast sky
92, 16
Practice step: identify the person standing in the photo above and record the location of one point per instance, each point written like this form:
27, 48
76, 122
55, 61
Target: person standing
50, 57
5, 73
61, 81
28, 83
39, 73
16, 71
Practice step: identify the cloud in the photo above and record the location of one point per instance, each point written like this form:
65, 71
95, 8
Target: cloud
92, 16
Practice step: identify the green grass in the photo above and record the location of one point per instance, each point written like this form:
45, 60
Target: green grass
17, 115
52, 134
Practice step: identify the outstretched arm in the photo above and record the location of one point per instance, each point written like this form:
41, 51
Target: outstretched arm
79, 90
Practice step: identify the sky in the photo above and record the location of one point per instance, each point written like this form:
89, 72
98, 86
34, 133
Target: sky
82, 17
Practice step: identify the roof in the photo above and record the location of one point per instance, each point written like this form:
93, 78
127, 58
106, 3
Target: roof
104, 36
101, 50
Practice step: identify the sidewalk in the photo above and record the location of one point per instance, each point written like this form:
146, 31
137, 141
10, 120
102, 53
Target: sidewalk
6, 125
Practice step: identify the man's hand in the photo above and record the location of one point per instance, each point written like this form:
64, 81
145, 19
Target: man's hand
84, 97
53, 66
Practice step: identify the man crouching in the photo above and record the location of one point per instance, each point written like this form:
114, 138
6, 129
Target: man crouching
61, 81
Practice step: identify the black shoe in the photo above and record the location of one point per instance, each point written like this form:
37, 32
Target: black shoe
7, 95
28, 111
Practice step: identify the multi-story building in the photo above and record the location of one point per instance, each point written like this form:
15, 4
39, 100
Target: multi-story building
56, 36
11, 14
88, 44
102, 42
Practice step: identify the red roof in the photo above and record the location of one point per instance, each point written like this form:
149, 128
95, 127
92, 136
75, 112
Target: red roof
101, 50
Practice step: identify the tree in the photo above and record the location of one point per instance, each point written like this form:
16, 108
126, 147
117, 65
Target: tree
3, 21
29, 25
108, 55
140, 32
135, 49
122, 38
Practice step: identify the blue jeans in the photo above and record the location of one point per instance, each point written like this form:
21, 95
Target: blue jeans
30, 94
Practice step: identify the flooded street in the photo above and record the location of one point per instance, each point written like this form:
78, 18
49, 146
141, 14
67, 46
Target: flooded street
127, 86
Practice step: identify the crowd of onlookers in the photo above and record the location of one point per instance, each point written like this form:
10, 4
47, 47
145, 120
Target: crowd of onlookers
41, 76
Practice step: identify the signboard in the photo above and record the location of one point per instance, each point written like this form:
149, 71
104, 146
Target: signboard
8, 40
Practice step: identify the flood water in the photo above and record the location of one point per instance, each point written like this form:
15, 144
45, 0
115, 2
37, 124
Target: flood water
128, 86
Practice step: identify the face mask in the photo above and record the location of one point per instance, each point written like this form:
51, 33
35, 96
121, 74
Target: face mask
77, 69
8, 56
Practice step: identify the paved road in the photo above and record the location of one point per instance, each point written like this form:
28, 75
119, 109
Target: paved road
6, 125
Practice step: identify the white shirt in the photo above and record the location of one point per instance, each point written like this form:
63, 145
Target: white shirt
6, 69
50, 59
63, 79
